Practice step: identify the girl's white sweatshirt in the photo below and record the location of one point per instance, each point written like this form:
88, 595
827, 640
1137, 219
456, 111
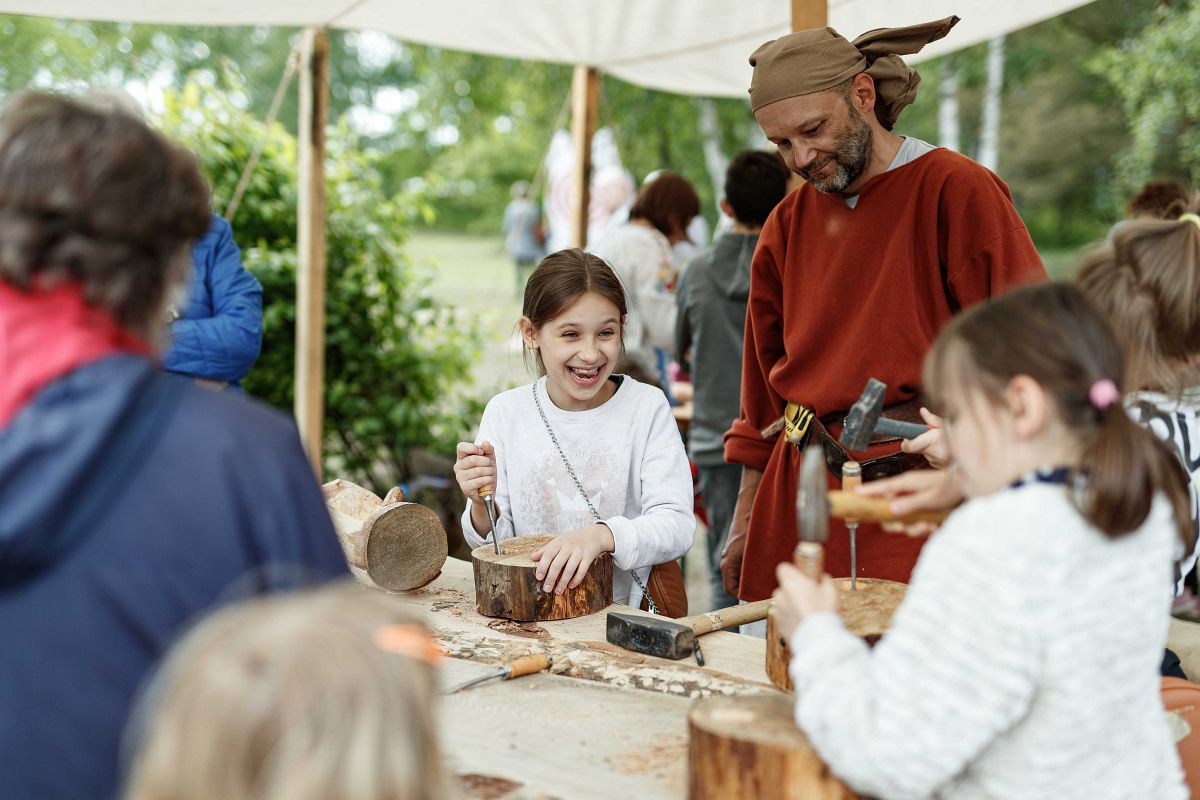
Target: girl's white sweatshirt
1022, 664
627, 453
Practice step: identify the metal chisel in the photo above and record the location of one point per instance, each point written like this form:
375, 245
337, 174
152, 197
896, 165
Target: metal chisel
525, 665
487, 493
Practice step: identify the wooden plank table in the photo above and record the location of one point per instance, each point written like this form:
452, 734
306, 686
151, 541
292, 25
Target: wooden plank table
608, 723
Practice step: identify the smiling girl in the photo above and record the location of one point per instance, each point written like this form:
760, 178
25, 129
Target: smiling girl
581, 452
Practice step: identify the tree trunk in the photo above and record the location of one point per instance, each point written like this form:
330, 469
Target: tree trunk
714, 159
948, 126
989, 136
749, 746
866, 612
506, 585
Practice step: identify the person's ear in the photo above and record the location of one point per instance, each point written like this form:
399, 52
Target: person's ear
727, 208
862, 93
1028, 405
528, 333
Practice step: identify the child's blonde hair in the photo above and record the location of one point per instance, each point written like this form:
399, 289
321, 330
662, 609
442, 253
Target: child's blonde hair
1146, 282
311, 696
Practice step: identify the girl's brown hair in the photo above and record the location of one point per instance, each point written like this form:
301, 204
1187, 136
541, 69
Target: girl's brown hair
1052, 334
668, 203
305, 696
561, 279
1146, 282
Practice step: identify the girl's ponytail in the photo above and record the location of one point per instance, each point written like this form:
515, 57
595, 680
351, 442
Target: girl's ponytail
1125, 467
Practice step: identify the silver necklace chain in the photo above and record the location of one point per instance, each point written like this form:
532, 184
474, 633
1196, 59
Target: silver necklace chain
579, 485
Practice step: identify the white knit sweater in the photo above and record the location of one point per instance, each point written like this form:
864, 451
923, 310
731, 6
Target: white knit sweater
629, 457
1022, 664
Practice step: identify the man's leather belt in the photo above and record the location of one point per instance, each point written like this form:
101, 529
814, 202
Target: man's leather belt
800, 425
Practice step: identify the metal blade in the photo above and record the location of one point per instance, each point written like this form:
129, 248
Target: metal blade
812, 500
496, 673
491, 512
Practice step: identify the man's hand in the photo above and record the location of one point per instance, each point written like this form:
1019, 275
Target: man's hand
735, 543
799, 596
913, 491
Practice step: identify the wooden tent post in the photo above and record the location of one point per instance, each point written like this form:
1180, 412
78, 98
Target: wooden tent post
310, 242
585, 94
808, 14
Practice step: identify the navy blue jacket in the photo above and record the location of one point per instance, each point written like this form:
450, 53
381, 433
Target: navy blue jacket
219, 331
130, 504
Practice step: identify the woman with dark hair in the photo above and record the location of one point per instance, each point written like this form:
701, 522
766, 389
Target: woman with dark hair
640, 253
132, 501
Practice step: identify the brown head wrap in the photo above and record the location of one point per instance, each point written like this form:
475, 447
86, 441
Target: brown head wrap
815, 60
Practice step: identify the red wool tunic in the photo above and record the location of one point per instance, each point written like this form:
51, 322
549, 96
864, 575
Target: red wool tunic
839, 295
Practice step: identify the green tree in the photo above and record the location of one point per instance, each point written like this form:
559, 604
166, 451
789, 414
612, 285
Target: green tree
1152, 76
395, 357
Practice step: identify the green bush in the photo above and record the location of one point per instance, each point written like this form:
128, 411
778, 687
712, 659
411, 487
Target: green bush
396, 359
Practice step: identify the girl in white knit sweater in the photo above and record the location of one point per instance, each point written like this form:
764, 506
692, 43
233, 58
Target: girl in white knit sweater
581, 452
1024, 660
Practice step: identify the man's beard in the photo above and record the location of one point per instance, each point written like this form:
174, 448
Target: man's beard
850, 158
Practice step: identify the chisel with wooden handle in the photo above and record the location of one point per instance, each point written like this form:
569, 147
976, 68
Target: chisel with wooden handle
488, 494
525, 665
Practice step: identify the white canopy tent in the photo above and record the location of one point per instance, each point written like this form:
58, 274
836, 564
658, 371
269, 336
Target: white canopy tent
697, 47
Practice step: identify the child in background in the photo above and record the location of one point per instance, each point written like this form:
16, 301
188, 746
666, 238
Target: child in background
1023, 662
309, 696
581, 452
1146, 282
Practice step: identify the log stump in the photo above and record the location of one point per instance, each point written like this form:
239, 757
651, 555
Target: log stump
506, 585
866, 612
401, 546
749, 746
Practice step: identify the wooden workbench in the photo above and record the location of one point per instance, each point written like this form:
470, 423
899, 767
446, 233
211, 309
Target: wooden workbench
611, 723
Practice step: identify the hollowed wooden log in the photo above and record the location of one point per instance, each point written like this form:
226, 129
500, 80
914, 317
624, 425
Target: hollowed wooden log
865, 611
506, 585
749, 746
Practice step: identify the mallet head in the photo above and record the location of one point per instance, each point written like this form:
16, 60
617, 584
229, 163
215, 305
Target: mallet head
812, 498
863, 417
654, 636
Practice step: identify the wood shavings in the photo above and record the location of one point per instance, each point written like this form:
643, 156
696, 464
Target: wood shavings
486, 787
527, 630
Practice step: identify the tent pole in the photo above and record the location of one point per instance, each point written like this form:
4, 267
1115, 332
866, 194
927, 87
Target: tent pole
809, 14
585, 94
310, 242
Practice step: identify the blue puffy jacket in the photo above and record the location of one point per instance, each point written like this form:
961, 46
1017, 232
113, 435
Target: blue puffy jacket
219, 332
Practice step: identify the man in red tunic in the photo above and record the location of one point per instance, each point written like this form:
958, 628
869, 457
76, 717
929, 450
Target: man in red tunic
854, 275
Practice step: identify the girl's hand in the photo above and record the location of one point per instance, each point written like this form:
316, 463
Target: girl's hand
475, 468
916, 490
931, 443
799, 597
565, 559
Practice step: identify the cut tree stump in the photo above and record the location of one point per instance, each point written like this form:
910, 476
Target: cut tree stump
866, 612
749, 746
506, 585
401, 546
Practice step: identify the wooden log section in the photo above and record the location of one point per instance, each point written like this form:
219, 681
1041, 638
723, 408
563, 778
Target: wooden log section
506, 585
866, 612
749, 746
401, 546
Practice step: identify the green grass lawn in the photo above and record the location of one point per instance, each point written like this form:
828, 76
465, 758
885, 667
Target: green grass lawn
476, 275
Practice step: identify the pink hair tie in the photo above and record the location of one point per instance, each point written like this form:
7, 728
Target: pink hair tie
1103, 393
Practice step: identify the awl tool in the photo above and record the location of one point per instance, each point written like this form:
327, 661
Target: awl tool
487, 493
851, 480
525, 665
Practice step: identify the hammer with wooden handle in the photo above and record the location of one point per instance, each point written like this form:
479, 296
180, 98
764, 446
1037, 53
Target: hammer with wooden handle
676, 638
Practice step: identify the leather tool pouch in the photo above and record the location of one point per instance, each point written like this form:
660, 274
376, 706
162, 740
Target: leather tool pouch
666, 586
